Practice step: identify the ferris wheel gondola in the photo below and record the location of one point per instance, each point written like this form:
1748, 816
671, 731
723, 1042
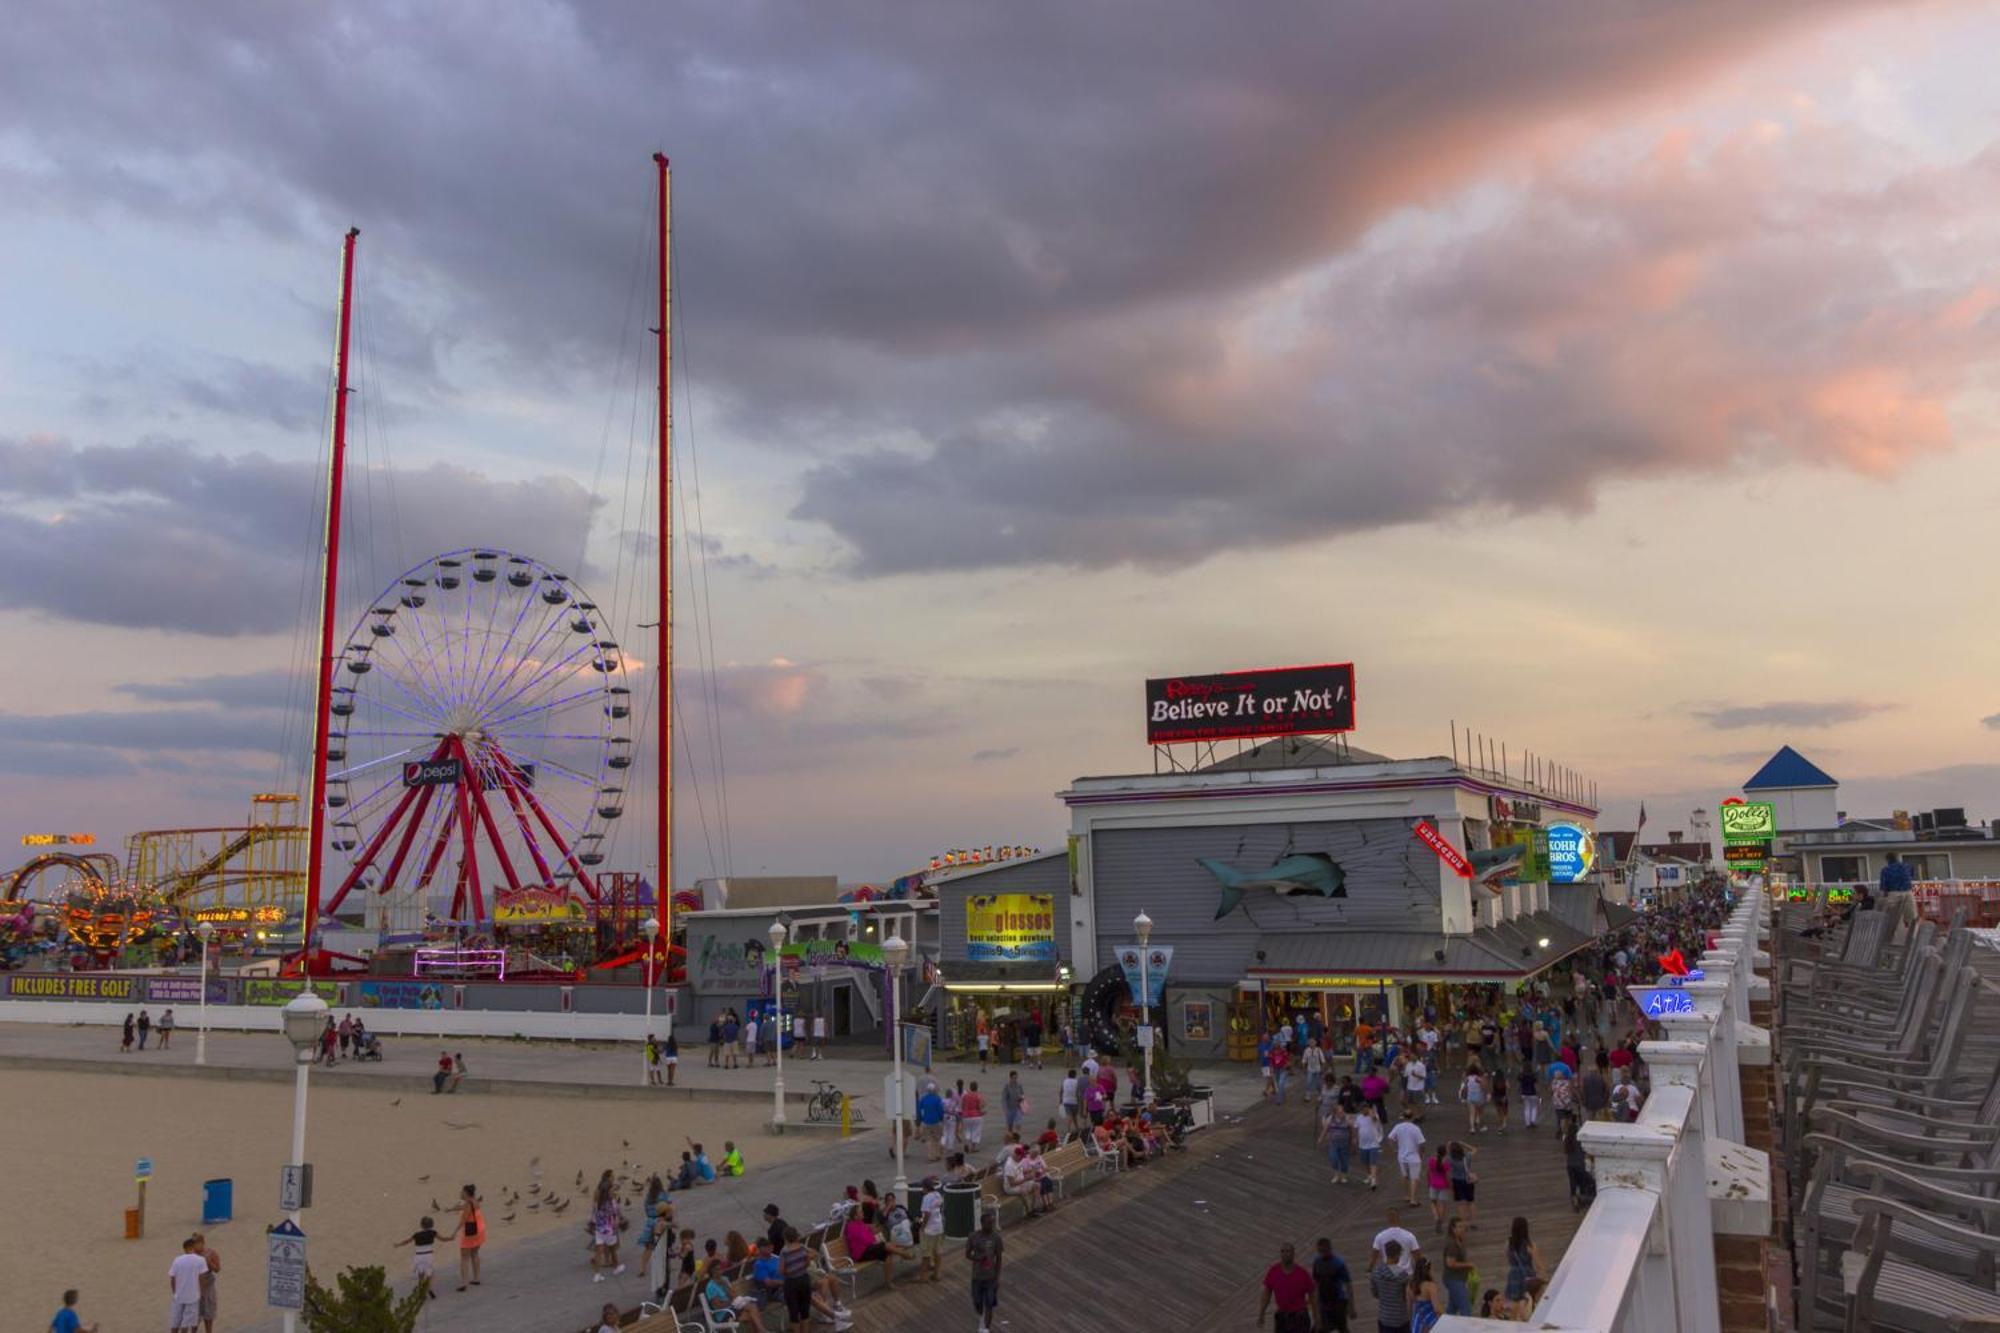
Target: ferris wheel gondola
479, 720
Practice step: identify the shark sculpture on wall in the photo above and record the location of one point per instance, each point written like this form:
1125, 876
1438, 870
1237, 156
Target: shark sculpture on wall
1490, 865
1302, 872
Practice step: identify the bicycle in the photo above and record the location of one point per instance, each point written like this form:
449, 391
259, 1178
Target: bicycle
826, 1101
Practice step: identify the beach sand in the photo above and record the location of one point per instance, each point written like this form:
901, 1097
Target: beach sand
380, 1159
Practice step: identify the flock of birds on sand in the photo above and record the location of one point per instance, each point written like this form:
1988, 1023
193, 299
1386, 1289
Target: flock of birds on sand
629, 1186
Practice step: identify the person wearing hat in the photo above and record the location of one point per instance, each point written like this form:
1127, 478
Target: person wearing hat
931, 1237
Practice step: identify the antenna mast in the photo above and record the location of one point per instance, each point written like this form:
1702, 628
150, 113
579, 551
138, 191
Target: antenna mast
330, 569
663, 892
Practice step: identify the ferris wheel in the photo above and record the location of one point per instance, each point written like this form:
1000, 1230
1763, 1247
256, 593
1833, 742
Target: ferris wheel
481, 733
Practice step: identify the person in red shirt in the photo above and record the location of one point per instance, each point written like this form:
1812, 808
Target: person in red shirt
1621, 1058
1292, 1288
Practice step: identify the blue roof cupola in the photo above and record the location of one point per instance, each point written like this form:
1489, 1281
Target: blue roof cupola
1789, 769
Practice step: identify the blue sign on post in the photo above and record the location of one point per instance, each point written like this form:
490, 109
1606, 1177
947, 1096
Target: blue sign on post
1158, 958
1657, 1002
143, 1169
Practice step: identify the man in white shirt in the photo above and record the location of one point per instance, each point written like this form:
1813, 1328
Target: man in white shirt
1070, 1090
184, 1277
1408, 1137
1090, 1068
1395, 1231
932, 1206
819, 1034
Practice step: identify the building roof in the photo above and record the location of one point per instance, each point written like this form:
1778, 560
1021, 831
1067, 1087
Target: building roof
1789, 768
1296, 752
1510, 949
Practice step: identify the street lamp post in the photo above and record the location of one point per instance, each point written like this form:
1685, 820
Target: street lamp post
1143, 926
895, 953
777, 997
305, 1019
650, 928
206, 929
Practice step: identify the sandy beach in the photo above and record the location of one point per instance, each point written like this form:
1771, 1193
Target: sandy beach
381, 1157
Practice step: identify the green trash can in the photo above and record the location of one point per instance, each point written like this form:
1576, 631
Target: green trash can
961, 1209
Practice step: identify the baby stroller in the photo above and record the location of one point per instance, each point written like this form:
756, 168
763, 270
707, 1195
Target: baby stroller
370, 1049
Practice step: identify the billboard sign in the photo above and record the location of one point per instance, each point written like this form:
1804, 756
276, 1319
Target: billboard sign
1280, 701
400, 994
1749, 821
1010, 928
1572, 852
70, 986
1744, 855
185, 990
432, 773
58, 839
273, 990
1657, 1002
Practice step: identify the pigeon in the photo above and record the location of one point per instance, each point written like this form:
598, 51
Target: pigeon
508, 1218
423, 1180
624, 1143
436, 1207
397, 1102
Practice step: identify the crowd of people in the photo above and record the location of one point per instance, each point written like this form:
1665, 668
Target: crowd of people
734, 1041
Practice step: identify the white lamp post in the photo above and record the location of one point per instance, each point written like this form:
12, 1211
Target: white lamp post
206, 929
895, 953
777, 994
650, 928
305, 1019
1142, 925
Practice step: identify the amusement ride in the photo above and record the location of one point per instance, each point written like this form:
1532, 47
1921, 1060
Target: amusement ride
474, 739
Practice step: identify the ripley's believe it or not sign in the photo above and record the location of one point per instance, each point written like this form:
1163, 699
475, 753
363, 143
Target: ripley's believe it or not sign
1010, 928
1280, 701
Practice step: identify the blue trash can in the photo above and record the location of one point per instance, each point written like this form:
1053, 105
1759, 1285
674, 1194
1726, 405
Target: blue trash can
218, 1200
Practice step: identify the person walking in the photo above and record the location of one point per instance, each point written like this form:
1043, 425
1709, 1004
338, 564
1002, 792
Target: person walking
1437, 1181
346, 1035
653, 1079
670, 1056
983, 1035
1333, 1288
819, 1036
145, 1028
1416, 1078
715, 1042
1898, 900
1472, 1091
983, 1252
423, 1245
1524, 1261
1459, 1274
1427, 1299
67, 1320
1031, 1038
1464, 1182
470, 1233
1069, 1096
166, 1029
1291, 1288
1408, 1138
1368, 1140
1496, 1099
125, 1046
1336, 1134
1013, 1100
971, 1118
1531, 1097
1391, 1288
605, 1223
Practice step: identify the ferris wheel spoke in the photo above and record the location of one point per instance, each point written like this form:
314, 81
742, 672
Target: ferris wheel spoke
436, 692
480, 673
432, 735
488, 693
404, 713
413, 690
499, 722
553, 677
347, 774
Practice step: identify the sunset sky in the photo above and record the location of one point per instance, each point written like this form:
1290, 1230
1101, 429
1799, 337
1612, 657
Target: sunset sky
1616, 378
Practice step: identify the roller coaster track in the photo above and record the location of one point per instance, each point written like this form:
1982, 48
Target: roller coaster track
101, 867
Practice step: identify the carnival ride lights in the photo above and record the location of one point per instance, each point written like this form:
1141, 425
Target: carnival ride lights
480, 714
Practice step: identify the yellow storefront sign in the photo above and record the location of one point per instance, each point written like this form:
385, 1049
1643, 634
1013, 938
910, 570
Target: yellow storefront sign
1010, 927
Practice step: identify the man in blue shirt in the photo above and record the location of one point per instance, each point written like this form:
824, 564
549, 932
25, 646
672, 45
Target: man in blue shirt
1897, 901
1332, 1287
930, 1121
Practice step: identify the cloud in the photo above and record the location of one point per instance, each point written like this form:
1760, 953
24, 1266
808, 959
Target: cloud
1792, 713
1031, 323
253, 689
1991, 721
992, 756
162, 535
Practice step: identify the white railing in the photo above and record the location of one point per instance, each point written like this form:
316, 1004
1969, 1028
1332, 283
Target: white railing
1669, 1183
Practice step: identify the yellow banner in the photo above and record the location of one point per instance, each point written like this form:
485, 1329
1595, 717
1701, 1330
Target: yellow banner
1010, 927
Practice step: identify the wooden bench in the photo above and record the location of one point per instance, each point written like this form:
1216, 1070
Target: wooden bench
1066, 1164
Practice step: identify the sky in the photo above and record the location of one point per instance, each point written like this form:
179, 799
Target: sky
1616, 379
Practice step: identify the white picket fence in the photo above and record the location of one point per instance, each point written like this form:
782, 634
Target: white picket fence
1670, 1183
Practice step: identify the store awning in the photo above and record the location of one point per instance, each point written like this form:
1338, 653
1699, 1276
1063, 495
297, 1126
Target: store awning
997, 976
1492, 953
1617, 916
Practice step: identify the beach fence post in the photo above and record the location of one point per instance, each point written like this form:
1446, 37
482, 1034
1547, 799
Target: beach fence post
135, 1218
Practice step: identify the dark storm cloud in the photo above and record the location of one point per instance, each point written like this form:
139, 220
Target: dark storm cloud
986, 262
1791, 713
162, 535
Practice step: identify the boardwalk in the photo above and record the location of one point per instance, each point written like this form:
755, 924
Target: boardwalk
1182, 1244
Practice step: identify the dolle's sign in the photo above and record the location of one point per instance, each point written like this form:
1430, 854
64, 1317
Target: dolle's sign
1282, 701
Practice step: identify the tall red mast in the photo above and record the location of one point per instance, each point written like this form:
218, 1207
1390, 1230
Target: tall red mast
330, 569
663, 891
